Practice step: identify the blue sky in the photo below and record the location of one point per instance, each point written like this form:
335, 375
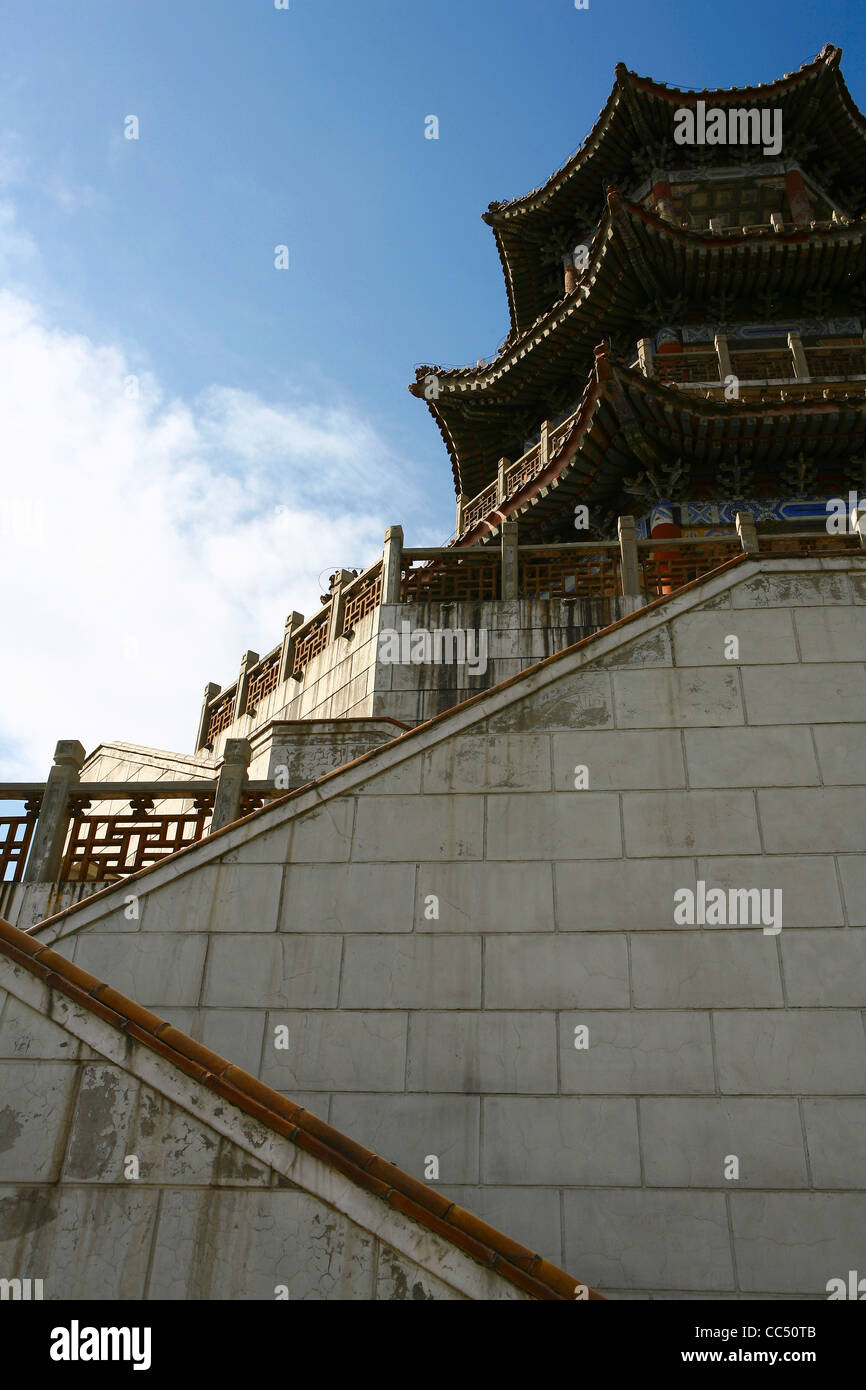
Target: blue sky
266, 390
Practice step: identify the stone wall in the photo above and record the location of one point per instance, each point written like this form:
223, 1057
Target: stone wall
437, 925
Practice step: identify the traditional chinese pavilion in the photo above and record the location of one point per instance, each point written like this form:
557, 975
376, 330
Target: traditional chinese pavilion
685, 339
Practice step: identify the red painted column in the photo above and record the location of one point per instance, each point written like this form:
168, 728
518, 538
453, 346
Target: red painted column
663, 526
663, 200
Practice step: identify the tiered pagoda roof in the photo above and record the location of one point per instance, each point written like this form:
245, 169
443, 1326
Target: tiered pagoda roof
646, 270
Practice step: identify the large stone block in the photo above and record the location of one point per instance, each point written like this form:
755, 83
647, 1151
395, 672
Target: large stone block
751, 757
828, 820
839, 754
470, 1052
701, 969
825, 967
273, 971
418, 971
802, 1052
243, 1244
556, 972
579, 701
692, 822
619, 760
99, 1137
35, 1099
793, 590
349, 898
87, 1243
153, 968
247, 898
322, 835
635, 1053
816, 694
560, 1140
410, 1130
833, 636
398, 1279
689, 1142
836, 1135
235, 1034
413, 827
557, 825
796, 1242
620, 894
485, 898
652, 1240
479, 762
183, 904
27, 1034
337, 1050
668, 699
810, 893
701, 639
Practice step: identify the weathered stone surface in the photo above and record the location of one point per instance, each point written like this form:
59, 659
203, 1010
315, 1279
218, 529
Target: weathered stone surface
619, 760
770, 757
337, 1050
671, 699
644, 1239
689, 1142
403, 827
836, 1135
559, 825
700, 639
790, 1053
560, 1139
485, 897
471, 1052
410, 1130
696, 822
634, 1053
701, 969
416, 972
556, 972
34, 1106
796, 1242
349, 898
281, 971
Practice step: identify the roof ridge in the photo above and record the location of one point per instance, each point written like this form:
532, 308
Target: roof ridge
484, 1243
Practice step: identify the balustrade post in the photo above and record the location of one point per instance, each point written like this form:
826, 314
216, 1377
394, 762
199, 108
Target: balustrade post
858, 521
338, 603
392, 562
49, 837
747, 531
629, 567
544, 443
509, 577
287, 655
210, 690
724, 356
501, 469
248, 661
798, 352
462, 499
231, 780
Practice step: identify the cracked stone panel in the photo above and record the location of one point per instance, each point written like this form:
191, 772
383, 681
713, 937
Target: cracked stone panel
636, 1053
322, 835
629, 1238
852, 871
99, 1138
489, 762
795, 1242
691, 822
581, 701
338, 1050
681, 696
821, 693
410, 1130
836, 1136
529, 1215
393, 828
619, 760
27, 1034
791, 590
652, 650
244, 1245
828, 819
247, 898
35, 1099
86, 1243
154, 969
181, 905
706, 969
764, 637
556, 972
348, 898
810, 893
499, 897
411, 972
613, 895
797, 1052
687, 1142
553, 825
271, 971
398, 1280
470, 1052
560, 1139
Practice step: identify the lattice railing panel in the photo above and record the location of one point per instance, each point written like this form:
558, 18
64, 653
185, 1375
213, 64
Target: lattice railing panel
221, 714
763, 366
361, 598
470, 578
666, 569
314, 640
16, 834
809, 544
104, 848
849, 361
686, 366
263, 680
582, 575
480, 506
523, 471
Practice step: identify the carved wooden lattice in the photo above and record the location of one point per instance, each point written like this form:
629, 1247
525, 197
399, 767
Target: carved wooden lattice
551, 575
686, 366
666, 569
104, 848
221, 715
809, 544
837, 361
361, 598
263, 680
470, 578
522, 471
314, 641
480, 506
762, 366
16, 834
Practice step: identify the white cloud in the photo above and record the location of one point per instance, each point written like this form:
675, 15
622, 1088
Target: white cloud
145, 543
